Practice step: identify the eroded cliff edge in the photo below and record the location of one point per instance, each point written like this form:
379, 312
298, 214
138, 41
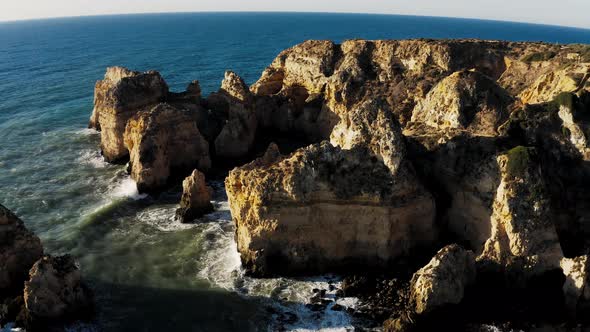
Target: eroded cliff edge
386, 152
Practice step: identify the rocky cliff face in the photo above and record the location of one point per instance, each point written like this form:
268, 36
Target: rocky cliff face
118, 97
19, 250
324, 208
413, 145
37, 292
154, 136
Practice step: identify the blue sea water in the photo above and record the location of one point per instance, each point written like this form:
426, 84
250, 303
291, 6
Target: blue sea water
149, 272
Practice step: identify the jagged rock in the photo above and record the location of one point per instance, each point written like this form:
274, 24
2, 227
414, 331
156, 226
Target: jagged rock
19, 250
239, 131
164, 142
196, 197
443, 280
521, 219
575, 288
548, 86
323, 208
118, 97
55, 291
464, 100
573, 112
372, 125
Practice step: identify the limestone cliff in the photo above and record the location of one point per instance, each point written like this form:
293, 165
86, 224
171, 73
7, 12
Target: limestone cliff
153, 137
324, 208
118, 97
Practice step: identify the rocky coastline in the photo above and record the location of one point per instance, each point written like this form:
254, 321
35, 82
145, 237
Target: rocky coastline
452, 173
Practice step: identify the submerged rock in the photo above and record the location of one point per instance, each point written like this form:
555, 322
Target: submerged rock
19, 250
164, 143
324, 208
196, 198
55, 291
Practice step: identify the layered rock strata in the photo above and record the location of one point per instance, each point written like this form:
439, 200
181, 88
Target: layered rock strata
325, 208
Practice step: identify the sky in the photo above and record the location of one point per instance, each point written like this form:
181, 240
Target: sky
574, 13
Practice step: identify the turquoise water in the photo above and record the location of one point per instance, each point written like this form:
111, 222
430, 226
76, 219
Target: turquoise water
149, 272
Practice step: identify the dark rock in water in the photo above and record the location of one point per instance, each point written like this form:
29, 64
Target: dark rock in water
337, 307
55, 292
196, 198
19, 250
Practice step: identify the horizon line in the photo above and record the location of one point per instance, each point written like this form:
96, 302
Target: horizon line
286, 12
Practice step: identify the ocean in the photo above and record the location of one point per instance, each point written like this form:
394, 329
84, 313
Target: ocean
149, 272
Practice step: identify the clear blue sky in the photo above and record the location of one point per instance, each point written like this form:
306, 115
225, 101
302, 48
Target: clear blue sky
559, 12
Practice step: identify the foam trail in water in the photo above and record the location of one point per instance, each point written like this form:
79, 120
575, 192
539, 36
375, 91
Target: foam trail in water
92, 158
221, 266
126, 187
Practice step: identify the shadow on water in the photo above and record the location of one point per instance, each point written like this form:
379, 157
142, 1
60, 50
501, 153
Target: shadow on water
137, 308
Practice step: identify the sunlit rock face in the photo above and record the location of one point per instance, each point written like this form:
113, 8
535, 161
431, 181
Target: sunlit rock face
196, 197
118, 97
325, 208
163, 141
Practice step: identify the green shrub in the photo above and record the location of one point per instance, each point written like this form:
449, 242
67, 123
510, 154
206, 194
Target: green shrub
539, 56
519, 159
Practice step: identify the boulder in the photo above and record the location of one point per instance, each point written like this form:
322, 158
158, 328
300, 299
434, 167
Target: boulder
196, 198
324, 208
19, 250
55, 291
164, 143
443, 280
118, 97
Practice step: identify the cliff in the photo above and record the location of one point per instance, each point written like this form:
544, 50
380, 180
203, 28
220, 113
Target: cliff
401, 148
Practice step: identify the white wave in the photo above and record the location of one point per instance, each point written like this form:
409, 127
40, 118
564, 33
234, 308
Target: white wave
163, 218
221, 266
87, 131
126, 188
92, 158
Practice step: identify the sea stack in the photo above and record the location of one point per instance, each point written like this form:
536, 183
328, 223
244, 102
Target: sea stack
196, 198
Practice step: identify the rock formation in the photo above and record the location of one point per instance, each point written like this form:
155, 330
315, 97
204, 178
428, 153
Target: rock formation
412, 144
443, 280
161, 141
237, 136
575, 288
55, 290
196, 198
324, 208
19, 249
118, 97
